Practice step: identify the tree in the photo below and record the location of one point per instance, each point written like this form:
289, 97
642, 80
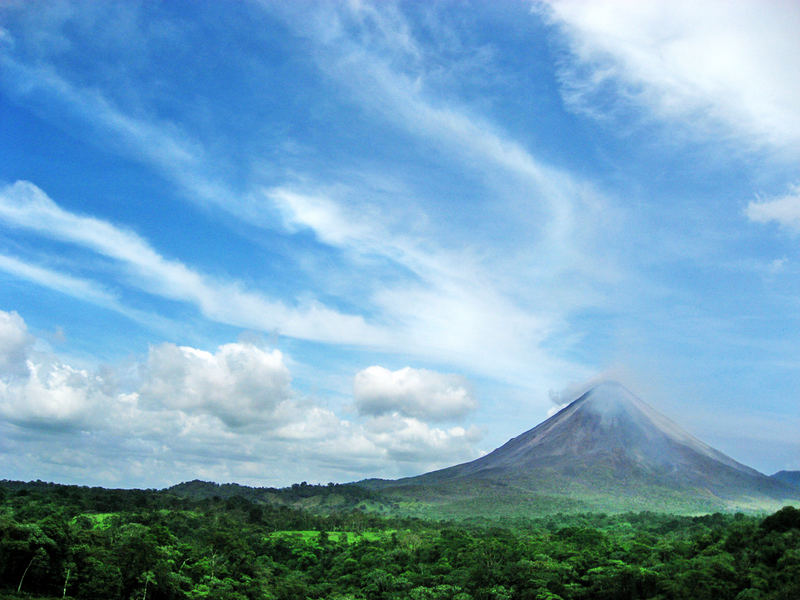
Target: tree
38, 555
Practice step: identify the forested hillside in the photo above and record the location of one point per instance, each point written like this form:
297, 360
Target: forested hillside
91, 543
333, 497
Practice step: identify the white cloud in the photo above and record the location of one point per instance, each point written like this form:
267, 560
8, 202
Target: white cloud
321, 215
408, 439
65, 284
15, 343
723, 66
57, 396
555, 409
230, 414
82, 289
240, 384
24, 205
777, 265
38, 390
784, 210
416, 393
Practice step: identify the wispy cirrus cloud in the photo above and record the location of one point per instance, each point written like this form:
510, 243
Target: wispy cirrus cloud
451, 312
81, 289
158, 142
447, 287
723, 68
456, 304
784, 210
446, 295
24, 205
464, 297
87, 291
389, 74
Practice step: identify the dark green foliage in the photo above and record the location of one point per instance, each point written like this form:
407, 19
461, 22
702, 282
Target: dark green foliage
785, 519
321, 498
125, 544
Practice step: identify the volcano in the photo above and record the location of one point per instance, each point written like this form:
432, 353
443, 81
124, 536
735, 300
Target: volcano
607, 450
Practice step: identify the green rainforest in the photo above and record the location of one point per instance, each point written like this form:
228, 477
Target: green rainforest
98, 544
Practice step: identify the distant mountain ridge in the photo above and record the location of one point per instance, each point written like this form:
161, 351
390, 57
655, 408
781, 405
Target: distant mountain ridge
607, 450
319, 498
790, 477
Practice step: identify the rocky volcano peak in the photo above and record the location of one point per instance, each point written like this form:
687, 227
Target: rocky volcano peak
606, 449
609, 419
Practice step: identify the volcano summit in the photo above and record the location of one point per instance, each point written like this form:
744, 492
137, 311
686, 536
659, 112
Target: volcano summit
607, 450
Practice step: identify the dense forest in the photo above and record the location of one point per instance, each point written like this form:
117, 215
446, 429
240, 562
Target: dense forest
92, 543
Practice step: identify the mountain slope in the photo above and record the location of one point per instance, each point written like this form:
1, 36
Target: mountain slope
790, 477
607, 450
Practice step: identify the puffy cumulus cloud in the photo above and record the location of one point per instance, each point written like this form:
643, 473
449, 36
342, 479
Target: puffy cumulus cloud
396, 446
784, 210
230, 414
411, 440
305, 421
15, 342
240, 383
40, 391
57, 396
416, 393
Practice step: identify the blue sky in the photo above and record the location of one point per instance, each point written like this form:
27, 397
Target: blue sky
268, 242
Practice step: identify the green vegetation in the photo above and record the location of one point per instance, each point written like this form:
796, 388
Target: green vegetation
322, 499
91, 543
319, 538
427, 496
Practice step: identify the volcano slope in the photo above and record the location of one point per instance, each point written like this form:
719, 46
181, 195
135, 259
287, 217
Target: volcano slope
606, 451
